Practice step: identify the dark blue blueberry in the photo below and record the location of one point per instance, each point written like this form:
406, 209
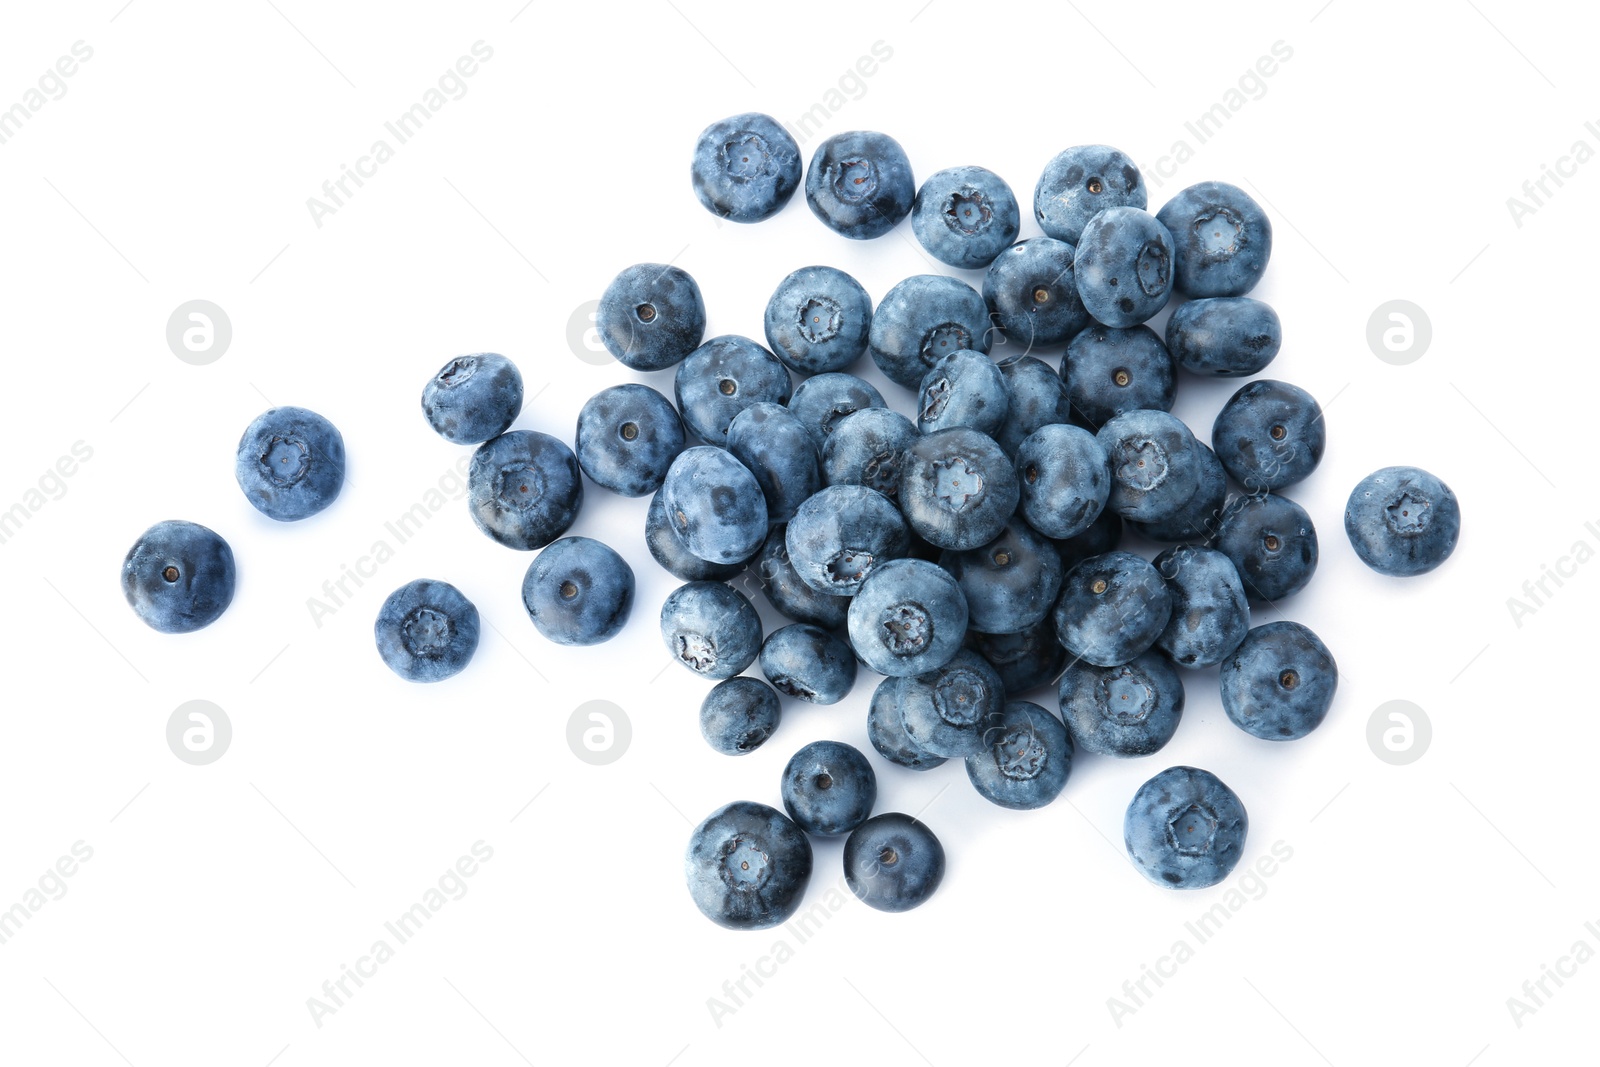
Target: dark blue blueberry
290, 463
1269, 434
1064, 480
866, 448
715, 505
788, 593
909, 617
1103, 535
1024, 660
723, 377
628, 435
473, 398
808, 663
1037, 399
1221, 239
892, 862
1128, 710
1080, 183
860, 184
1279, 683
963, 389
823, 401
1026, 758
651, 316
747, 866
841, 535
667, 548
179, 576
1124, 266
524, 489
1109, 372
1185, 829
739, 714
887, 730
1272, 543
817, 320
1224, 336
829, 788
779, 451
1033, 294
1402, 521
1210, 614
711, 629
1155, 465
1200, 517
578, 592
965, 216
923, 319
426, 631
1112, 608
1010, 583
745, 167
945, 711
957, 488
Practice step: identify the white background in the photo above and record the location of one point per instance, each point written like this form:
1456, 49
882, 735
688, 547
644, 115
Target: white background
218, 899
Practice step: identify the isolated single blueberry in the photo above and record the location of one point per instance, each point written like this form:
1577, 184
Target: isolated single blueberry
776, 447
808, 663
290, 463
1279, 683
1064, 479
828, 788
1402, 521
473, 398
892, 862
1032, 294
1038, 398
1185, 829
817, 320
651, 316
823, 401
1128, 710
715, 505
1210, 613
965, 216
908, 617
179, 576
965, 388
739, 714
1112, 608
1269, 435
946, 711
745, 167
958, 489
1224, 336
843, 533
1026, 759
723, 377
860, 184
666, 547
923, 319
627, 437
887, 730
578, 591
1081, 182
1155, 464
1010, 583
747, 866
1221, 240
1272, 543
1108, 372
1123, 266
866, 449
788, 593
710, 628
426, 631
524, 489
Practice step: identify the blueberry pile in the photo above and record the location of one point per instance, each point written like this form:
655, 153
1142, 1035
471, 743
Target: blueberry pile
968, 549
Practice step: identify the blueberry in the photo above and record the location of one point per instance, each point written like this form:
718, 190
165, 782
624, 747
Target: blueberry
1279, 683
711, 629
923, 319
745, 167
965, 216
1155, 464
1080, 183
866, 449
524, 489
808, 663
908, 617
628, 435
957, 488
426, 631
1127, 710
1010, 583
1402, 521
667, 548
1026, 758
723, 377
1037, 399
747, 866
944, 712
739, 714
651, 316
290, 463
1024, 660
964, 388
823, 401
473, 398
887, 730
1269, 434
840, 536
1032, 294
1210, 614
1108, 372
715, 505
1124, 266
1200, 517
860, 184
778, 450
817, 320
1103, 535
1112, 608
578, 592
1224, 336
1185, 829
179, 576
1272, 542
786, 591
1221, 239
1064, 480
829, 788
892, 862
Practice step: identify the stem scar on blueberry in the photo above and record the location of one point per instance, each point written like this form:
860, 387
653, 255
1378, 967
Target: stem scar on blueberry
1278, 433
824, 781
1098, 587
1121, 376
170, 574
1288, 679
630, 431
888, 856
1041, 295
1002, 558
1096, 186
727, 387
646, 312
568, 590
1271, 541
1031, 473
